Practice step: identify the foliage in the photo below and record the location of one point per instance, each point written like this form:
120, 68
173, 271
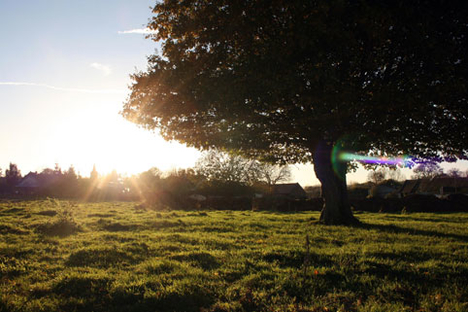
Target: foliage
376, 176
273, 174
427, 170
275, 79
216, 165
382, 174
64, 223
455, 173
12, 175
128, 260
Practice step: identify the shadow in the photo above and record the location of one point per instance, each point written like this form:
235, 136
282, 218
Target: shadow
49, 213
101, 258
401, 230
296, 259
201, 259
101, 215
13, 210
118, 227
422, 219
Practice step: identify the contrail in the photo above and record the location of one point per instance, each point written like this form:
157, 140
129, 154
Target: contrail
143, 31
43, 85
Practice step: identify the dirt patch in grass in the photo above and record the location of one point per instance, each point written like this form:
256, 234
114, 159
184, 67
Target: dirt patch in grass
49, 213
13, 210
101, 215
85, 286
117, 227
200, 259
59, 228
100, 258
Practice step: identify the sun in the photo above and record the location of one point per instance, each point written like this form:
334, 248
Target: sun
110, 142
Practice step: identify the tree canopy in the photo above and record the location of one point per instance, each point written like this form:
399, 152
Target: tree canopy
288, 80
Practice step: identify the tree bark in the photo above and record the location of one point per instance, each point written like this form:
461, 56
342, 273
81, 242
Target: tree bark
332, 175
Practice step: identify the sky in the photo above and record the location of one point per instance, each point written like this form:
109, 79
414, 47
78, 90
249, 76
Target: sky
65, 69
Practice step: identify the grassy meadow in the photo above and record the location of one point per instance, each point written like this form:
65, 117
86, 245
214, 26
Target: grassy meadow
114, 256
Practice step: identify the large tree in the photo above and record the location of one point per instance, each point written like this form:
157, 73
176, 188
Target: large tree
295, 81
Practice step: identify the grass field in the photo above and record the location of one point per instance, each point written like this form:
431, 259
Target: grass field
62, 256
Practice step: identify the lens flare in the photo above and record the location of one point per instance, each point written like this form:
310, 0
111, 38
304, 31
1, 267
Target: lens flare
403, 161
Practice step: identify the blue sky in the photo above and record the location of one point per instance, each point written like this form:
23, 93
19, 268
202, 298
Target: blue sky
64, 75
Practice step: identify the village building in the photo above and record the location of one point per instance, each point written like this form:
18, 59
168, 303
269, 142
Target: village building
288, 190
34, 182
439, 186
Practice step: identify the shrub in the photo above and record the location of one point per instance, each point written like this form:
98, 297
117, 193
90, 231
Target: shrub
64, 223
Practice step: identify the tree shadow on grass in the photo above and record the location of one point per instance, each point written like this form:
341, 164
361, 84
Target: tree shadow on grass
118, 227
61, 228
188, 297
201, 259
100, 258
296, 259
390, 228
444, 218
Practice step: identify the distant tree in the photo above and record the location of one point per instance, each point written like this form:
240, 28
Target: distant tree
297, 81
427, 170
455, 173
151, 177
376, 176
57, 169
12, 175
48, 171
273, 174
382, 174
113, 177
66, 183
71, 173
179, 182
396, 175
94, 174
220, 166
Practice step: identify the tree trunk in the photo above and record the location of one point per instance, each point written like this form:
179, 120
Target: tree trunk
332, 174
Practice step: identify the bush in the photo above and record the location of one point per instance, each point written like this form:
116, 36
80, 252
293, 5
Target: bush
64, 223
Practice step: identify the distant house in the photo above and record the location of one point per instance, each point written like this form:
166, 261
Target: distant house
439, 186
30, 181
33, 182
410, 187
381, 191
289, 190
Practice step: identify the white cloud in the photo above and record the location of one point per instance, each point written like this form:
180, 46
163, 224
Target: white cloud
143, 31
105, 69
79, 90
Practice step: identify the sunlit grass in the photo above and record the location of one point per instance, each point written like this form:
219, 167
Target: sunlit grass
119, 258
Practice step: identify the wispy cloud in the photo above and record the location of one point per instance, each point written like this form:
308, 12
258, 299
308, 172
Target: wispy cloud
79, 90
105, 69
142, 31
